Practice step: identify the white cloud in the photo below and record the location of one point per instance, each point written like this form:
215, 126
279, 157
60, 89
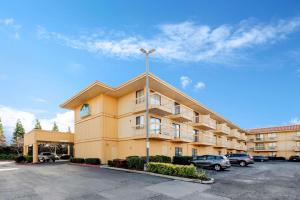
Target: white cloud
9, 26
295, 120
9, 117
199, 85
185, 81
186, 41
40, 100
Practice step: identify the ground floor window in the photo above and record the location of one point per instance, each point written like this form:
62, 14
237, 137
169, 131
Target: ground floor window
194, 152
178, 151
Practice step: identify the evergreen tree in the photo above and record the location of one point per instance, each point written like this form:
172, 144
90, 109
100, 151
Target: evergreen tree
55, 127
2, 136
19, 131
37, 124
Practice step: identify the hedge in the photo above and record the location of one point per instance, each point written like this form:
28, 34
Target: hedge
8, 156
28, 159
110, 163
121, 163
77, 160
189, 171
182, 160
93, 161
158, 158
20, 159
135, 162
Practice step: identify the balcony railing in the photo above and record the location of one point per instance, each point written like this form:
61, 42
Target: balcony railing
242, 137
234, 133
204, 139
265, 139
181, 113
223, 129
297, 137
265, 148
158, 104
222, 143
297, 148
204, 122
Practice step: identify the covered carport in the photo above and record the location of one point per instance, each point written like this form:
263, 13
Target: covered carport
38, 137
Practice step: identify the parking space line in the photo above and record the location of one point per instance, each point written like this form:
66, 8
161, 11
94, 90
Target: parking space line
8, 169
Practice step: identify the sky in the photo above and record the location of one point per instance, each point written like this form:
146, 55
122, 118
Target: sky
239, 58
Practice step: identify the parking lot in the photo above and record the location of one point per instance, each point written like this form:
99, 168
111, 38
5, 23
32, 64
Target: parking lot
270, 180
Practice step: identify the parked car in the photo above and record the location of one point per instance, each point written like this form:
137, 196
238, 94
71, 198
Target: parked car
260, 158
241, 159
215, 162
65, 157
294, 159
46, 157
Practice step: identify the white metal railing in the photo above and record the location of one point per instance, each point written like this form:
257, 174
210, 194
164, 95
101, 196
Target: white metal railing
223, 128
205, 119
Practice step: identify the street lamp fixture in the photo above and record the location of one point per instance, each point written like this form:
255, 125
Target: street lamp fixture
147, 53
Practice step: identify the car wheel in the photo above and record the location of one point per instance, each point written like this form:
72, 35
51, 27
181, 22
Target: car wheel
242, 163
217, 167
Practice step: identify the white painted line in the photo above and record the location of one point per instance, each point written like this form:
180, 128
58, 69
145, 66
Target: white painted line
5, 163
8, 169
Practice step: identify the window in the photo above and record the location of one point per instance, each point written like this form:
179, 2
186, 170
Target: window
196, 116
155, 99
272, 145
259, 137
177, 108
155, 125
298, 134
298, 144
139, 121
259, 146
176, 130
178, 151
139, 95
196, 135
272, 135
194, 152
210, 157
85, 110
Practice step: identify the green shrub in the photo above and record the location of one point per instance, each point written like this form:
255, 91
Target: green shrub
77, 160
158, 158
189, 171
135, 162
28, 159
182, 160
93, 161
20, 159
110, 163
8, 156
121, 163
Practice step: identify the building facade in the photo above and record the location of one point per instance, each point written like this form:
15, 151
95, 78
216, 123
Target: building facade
280, 141
110, 122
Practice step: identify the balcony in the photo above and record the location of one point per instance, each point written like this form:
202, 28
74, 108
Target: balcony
265, 148
204, 122
242, 137
297, 138
232, 145
182, 139
222, 129
158, 105
181, 114
204, 140
297, 148
221, 143
160, 132
234, 133
265, 139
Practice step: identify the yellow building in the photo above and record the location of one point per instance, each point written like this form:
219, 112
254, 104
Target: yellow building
110, 122
280, 141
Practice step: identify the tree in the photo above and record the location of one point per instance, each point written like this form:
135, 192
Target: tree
55, 127
37, 124
18, 136
2, 136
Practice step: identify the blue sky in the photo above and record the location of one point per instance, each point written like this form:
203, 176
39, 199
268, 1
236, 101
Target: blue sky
239, 58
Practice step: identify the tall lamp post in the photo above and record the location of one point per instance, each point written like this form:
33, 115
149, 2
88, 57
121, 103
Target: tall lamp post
147, 53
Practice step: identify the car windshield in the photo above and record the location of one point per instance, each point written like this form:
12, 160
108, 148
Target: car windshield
46, 154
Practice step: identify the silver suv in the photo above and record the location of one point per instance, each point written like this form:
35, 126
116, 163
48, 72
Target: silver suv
46, 157
215, 162
241, 159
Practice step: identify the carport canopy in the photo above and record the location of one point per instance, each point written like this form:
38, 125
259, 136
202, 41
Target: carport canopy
38, 136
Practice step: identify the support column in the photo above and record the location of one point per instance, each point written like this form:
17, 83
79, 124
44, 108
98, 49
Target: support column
34, 153
69, 149
25, 150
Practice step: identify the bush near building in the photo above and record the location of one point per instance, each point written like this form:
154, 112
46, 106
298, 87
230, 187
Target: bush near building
182, 160
8, 156
188, 171
77, 160
121, 163
135, 162
93, 161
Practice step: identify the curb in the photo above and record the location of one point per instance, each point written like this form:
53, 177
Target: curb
84, 165
160, 175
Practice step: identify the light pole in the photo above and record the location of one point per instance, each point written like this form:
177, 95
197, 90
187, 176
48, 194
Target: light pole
147, 53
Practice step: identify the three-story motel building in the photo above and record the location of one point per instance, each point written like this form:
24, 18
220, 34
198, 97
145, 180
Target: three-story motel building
110, 122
